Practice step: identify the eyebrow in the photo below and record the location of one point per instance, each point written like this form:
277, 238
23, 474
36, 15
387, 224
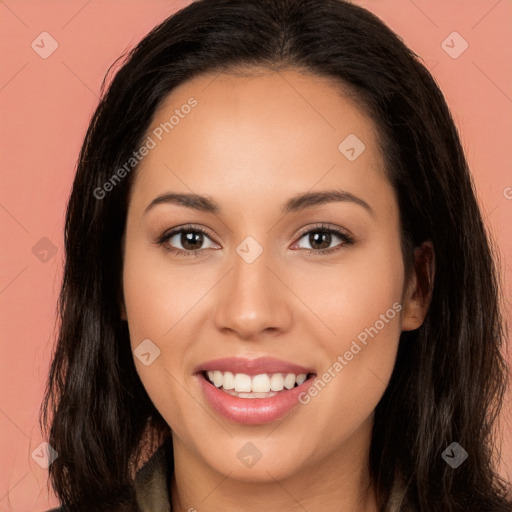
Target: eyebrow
295, 204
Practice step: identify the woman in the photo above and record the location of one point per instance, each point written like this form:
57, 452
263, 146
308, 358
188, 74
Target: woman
207, 358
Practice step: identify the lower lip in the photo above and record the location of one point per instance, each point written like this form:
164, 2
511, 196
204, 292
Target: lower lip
253, 411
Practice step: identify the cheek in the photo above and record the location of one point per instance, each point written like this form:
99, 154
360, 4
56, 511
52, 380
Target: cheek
158, 306
360, 303
352, 295
162, 302
157, 295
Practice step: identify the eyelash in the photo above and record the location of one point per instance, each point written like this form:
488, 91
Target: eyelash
323, 228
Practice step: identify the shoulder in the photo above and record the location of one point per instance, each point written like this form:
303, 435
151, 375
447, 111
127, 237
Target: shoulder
151, 485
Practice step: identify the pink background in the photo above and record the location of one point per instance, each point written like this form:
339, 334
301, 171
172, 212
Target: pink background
45, 108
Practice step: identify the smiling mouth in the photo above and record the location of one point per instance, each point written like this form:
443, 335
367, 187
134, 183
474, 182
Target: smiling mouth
264, 385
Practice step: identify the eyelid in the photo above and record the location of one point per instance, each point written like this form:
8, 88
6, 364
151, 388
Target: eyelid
324, 227
186, 227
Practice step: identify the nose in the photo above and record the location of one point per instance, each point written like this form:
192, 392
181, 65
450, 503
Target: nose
253, 300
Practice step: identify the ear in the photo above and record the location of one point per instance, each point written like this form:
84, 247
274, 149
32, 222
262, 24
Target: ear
419, 289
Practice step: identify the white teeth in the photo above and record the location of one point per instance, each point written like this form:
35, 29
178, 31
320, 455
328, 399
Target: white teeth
242, 383
301, 378
277, 382
289, 381
229, 381
218, 378
262, 383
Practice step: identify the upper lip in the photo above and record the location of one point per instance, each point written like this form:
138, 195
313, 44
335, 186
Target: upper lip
253, 366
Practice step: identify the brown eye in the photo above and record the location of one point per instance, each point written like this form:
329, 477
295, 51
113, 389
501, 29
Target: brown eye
185, 241
321, 238
191, 240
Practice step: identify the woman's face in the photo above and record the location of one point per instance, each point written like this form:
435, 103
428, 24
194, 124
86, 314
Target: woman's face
268, 279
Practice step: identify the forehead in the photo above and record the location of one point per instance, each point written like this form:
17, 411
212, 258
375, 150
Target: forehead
251, 137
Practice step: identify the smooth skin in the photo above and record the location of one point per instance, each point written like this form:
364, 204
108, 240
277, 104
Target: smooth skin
250, 144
